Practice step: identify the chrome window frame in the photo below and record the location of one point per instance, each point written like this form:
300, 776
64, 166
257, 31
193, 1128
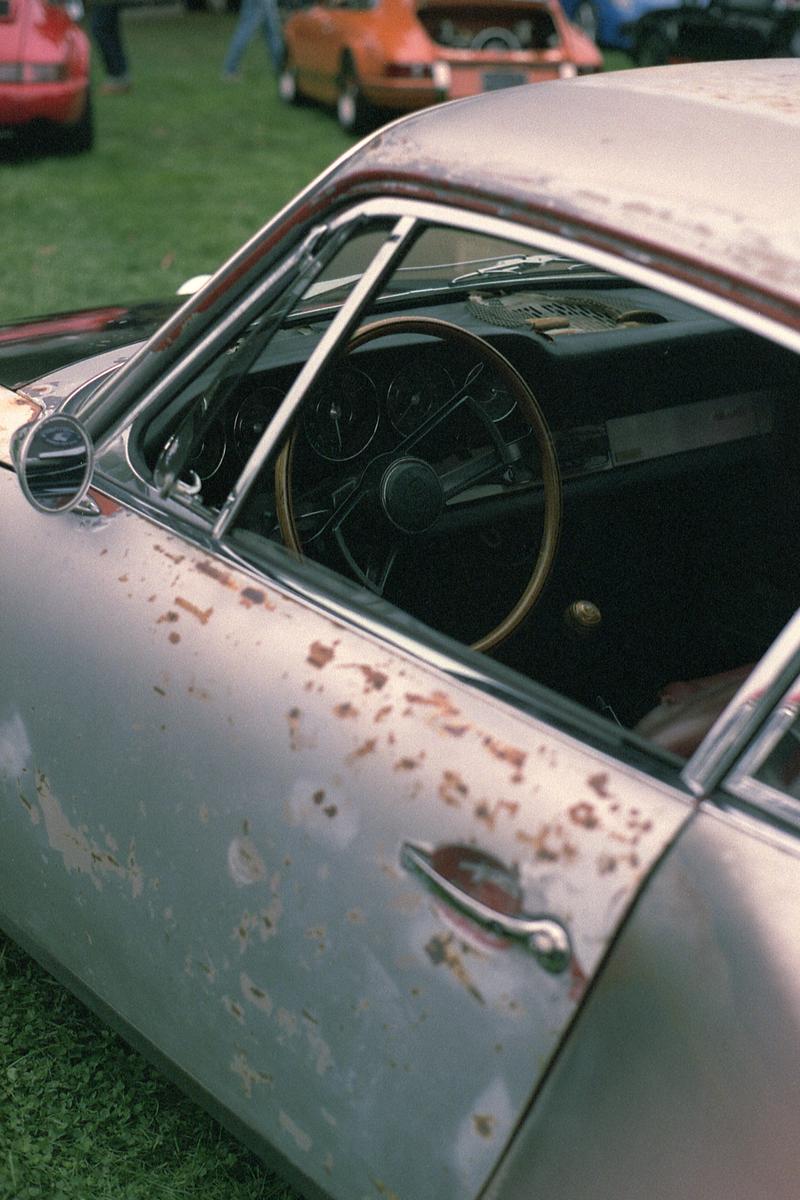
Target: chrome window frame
742, 781
772, 678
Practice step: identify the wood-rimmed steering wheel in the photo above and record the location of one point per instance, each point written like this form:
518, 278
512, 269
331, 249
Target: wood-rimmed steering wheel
405, 492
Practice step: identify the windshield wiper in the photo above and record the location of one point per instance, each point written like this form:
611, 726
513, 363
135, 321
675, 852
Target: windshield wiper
519, 264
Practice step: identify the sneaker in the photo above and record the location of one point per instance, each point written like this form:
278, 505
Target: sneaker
232, 76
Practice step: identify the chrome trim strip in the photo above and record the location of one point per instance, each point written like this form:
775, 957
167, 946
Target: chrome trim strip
339, 329
105, 419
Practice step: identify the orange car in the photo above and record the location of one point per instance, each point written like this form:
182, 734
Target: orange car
367, 55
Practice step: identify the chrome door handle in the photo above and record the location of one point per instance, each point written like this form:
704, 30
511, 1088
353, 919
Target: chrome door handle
545, 936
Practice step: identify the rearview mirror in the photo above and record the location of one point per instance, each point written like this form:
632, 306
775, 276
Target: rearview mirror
54, 459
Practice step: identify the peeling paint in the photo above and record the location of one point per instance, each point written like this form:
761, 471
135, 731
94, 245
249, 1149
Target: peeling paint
206, 567
550, 843
253, 596
374, 680
248, 1075
363, 750
78, 852
484, 1124
442, 950
320, 1050
599, 784
319, 655
510, 754
254, 994
264, 923
175, 558
244, 862
234, 1008
437, 700
453, 789
301, 1139
16, 410
584, 814
489, 814
202, 615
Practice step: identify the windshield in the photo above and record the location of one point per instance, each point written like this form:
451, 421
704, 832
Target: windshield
441, 259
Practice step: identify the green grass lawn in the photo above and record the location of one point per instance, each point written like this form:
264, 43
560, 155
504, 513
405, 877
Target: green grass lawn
185, 168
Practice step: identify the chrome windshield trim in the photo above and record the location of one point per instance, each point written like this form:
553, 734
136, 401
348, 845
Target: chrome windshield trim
339, 329
105, 419
750, 708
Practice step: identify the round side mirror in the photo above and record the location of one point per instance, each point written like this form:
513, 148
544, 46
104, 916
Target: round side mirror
55, 460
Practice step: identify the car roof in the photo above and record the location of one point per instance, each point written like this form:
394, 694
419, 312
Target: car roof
693, 164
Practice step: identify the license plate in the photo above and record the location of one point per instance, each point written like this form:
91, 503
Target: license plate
492, 80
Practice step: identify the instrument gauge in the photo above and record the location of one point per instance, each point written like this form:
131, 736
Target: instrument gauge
342, 415
255, 413
207, 458
494, 398
416, 391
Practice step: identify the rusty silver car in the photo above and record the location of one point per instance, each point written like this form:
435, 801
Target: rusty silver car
399, 722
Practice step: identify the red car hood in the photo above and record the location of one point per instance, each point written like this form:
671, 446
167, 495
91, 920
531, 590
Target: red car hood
30, 29
15, 19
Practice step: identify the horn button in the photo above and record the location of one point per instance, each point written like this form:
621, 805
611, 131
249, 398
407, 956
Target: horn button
411, 495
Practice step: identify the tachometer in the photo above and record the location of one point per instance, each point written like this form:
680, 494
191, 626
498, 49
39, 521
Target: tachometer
416, 391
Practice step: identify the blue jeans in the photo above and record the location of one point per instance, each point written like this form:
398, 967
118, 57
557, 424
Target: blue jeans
104, 18
255, 15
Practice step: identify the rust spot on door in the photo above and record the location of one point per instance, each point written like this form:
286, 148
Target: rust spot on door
452, 789
202, 614
599, 784
319, 655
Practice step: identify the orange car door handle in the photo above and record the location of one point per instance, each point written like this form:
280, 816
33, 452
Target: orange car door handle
545, 936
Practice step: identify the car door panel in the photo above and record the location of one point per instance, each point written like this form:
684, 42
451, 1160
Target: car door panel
682, 1073
221, 781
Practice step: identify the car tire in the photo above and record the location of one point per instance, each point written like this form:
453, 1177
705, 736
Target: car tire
353, 112
586, 18
652, 49
79, 138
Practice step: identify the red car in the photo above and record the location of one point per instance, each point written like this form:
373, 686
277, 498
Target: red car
44, 75
367, 55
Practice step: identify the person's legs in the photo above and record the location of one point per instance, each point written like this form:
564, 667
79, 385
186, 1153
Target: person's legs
107, 36
273, 33
250, 17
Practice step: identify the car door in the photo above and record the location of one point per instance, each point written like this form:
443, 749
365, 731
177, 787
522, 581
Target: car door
700, 993
332, 867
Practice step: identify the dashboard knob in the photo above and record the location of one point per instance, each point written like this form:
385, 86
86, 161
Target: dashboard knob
583, 617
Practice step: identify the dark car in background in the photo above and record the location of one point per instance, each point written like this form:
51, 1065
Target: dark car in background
45, 89
722, 29
605, 21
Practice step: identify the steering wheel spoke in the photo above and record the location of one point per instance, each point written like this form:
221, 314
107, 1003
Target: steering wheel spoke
401, 495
